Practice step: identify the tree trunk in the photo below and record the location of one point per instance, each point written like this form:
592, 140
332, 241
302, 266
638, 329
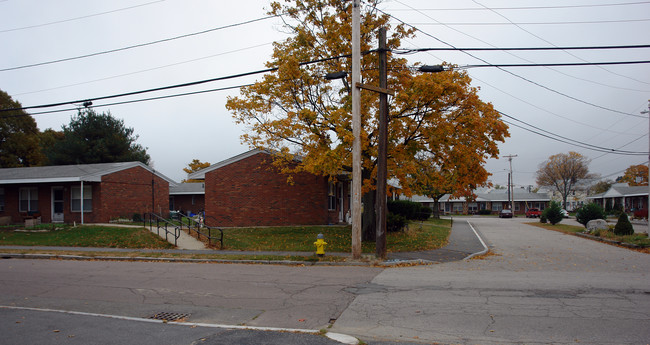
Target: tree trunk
436, 208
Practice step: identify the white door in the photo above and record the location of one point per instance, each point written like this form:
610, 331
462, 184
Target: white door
57, 204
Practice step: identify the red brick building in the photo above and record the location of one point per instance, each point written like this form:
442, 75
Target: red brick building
188, 198
246, 190
54, 193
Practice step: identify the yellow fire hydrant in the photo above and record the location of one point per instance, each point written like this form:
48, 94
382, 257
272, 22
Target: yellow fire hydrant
320, 245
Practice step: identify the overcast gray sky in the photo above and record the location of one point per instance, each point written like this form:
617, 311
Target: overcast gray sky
594, 105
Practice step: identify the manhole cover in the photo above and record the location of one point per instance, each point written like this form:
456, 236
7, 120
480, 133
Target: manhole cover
168, 316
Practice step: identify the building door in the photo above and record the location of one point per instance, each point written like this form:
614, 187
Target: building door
57, 204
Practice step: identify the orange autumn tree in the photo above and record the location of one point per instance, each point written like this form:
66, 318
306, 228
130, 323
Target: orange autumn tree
435, 120
194, 166
636, 175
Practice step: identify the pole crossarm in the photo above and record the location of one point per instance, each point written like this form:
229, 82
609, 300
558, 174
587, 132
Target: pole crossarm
375, 89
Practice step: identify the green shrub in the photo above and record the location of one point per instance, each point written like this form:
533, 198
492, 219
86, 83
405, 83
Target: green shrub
542, 218
410, 210
589, 212
395, 222
623, 226
424, 213
485, 212
553, 213
137, 217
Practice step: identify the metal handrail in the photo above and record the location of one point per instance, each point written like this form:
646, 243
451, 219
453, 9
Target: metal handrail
162, 223
196, 226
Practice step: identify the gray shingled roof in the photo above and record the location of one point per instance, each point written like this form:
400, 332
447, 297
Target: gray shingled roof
620, 190
68, 173
187, 188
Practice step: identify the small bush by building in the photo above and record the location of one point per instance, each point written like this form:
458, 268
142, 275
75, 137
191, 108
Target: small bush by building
623, 226
588, 212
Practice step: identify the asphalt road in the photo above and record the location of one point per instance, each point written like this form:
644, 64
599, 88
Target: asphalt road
539, 287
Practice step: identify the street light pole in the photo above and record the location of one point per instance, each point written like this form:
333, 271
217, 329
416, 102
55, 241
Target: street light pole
356, 130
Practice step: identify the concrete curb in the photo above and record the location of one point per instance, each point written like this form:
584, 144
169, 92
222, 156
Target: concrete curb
606, 240
387, 264
484, 251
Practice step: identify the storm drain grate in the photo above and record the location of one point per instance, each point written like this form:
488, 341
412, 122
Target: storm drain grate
168, 316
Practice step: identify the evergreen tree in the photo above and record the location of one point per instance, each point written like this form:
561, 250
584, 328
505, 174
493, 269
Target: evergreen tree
96, 138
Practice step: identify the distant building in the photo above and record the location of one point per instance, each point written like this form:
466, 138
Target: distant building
621, 195
492, 201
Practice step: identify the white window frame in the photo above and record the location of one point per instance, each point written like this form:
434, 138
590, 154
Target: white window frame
87, 201
497, 206
331, 196
31, 194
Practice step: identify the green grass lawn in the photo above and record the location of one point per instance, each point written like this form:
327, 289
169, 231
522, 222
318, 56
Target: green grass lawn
638, 239
85, 236
420, 236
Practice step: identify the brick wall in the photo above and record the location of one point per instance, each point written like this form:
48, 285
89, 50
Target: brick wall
187, 203
250, 192
129, 191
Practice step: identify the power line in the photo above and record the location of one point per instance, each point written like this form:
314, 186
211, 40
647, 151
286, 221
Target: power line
570, 143
538, 23
138, 45
529, 7
142, 71
584, 145
563, 64
506, 71
407, 51
175, 86
77, 18
547, 41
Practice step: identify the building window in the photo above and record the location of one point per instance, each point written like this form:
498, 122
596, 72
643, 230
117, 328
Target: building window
497, 206
76, 199
331, 196
28, 199
458, 207
2, 199
517, 207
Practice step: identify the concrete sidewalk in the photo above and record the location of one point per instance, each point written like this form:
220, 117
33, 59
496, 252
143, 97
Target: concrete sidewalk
463, 243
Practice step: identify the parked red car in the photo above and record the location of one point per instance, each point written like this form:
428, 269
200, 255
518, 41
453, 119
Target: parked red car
533, 213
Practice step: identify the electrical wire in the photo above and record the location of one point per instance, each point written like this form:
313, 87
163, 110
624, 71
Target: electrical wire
584, 145
509, 72
137, 45
77, 18
408, 51
175, 86
531, 7
547, 41
570, 143
563, 64
537, 23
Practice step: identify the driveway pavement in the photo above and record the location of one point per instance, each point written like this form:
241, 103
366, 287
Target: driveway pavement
537, 287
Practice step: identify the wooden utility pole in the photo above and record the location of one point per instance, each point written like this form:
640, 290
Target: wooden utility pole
511, 185
356, 130
380, 200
